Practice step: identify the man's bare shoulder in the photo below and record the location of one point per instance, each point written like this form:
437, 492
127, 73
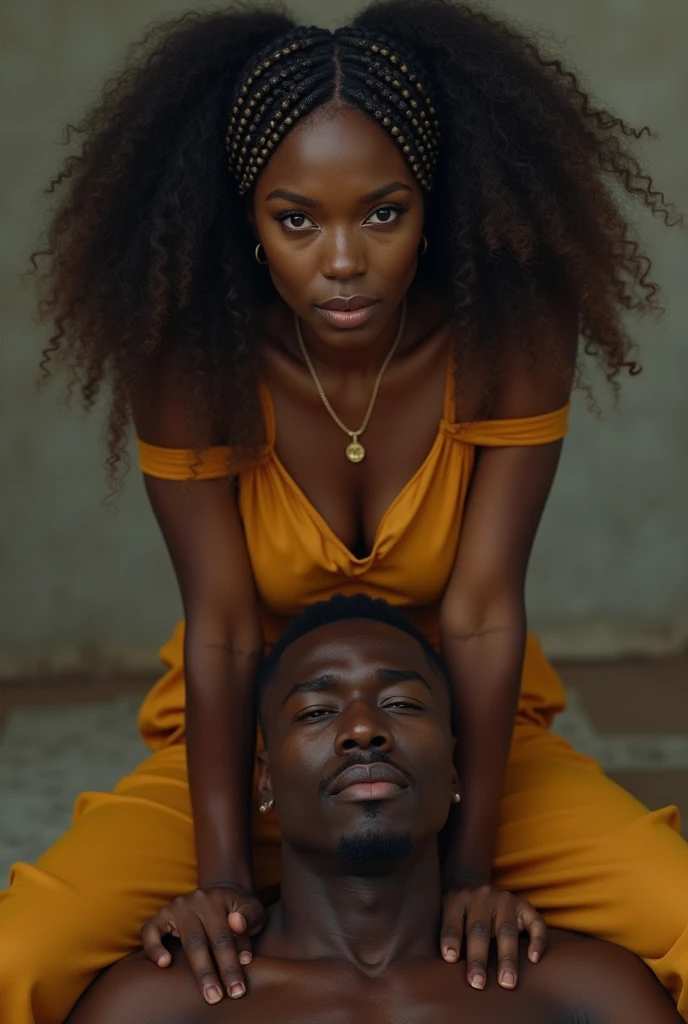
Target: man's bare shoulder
135, 989
579, 981
601, 980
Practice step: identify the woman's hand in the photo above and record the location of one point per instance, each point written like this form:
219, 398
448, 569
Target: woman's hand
214, 926
474, 916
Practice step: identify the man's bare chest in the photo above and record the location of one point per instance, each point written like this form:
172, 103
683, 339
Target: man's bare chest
309, 994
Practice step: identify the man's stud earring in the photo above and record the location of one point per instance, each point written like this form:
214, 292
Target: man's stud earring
266, 806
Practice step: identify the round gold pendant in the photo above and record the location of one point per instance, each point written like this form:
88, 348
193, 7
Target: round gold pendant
355, 451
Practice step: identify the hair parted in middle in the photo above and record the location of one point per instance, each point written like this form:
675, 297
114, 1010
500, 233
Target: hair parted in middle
311, 66
147, 254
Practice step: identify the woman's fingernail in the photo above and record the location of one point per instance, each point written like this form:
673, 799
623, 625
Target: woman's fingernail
163, 959
508, 979
534, 957
477, 981
245, 957
236, 990
213, 994
450, 955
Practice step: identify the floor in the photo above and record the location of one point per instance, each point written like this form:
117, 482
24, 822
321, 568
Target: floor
61, 738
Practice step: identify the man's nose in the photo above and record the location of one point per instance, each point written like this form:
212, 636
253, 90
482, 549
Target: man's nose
362, 728
344, 255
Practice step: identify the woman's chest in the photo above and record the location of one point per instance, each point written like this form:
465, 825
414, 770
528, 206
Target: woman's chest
393, 421
298, 556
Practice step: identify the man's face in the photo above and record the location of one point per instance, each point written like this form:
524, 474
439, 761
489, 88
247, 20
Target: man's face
359, 746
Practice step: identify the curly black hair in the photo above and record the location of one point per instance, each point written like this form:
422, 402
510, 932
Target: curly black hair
149, 248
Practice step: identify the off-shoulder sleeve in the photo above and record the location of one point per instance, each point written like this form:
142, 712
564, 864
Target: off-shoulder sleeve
531, 430
184, 463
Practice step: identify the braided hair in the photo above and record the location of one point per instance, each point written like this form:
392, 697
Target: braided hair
310, 67
147, 253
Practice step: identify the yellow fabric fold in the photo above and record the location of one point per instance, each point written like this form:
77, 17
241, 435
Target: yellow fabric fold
531, 430
184, 463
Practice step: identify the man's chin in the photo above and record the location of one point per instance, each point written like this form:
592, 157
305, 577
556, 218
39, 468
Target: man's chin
373, 845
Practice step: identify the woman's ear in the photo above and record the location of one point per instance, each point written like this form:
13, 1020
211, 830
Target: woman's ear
264, 777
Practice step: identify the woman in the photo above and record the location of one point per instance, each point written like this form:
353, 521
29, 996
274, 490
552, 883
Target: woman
375, 403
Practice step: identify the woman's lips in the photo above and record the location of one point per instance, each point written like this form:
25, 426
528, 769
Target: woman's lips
348, 317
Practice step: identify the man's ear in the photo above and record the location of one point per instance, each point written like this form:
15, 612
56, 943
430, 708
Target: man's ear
264, 776
455, 784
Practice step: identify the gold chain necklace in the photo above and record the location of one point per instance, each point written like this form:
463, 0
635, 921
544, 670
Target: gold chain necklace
355, 452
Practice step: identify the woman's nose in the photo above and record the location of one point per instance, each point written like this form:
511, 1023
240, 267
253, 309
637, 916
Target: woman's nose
362, 728
344, 256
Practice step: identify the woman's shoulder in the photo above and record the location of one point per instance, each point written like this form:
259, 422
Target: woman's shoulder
525, 370
162, 407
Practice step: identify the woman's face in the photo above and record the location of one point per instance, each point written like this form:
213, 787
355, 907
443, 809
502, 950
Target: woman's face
340, 214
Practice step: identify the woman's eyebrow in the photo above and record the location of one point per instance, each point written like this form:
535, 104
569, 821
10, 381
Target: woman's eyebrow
378, 193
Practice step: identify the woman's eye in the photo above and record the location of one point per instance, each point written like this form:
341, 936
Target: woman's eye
299, 221
295, 222
387, 214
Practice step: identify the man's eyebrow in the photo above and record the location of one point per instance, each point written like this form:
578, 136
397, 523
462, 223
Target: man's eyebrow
401, 675
319, 684
331, 681
371, 197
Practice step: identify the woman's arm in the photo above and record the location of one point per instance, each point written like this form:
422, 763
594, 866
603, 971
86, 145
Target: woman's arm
483, 632
200, 523
222, 649
483, 638
483, 618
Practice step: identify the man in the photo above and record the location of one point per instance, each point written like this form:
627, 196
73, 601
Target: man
359, 762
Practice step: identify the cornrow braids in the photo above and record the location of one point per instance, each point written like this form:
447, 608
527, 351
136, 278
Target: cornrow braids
309, 67
125, 282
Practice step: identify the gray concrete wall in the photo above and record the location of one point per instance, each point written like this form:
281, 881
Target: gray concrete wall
81, 588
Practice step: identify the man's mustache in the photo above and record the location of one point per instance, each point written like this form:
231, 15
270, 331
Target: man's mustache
363, 757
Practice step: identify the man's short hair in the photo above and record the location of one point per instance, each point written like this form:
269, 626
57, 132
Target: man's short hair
337, 609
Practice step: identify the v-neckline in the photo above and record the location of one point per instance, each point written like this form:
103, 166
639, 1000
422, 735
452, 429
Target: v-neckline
323, 524
317, 517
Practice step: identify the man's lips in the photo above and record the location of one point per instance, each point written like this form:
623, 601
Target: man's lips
377, 781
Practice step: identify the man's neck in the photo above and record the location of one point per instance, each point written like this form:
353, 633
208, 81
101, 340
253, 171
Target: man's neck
373, 920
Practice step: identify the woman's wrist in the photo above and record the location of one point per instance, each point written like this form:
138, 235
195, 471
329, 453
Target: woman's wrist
227, 868
466, 863
234, 877
461, 872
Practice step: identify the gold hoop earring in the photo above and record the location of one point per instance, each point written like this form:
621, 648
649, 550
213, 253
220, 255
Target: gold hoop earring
266, 806
258, 259
424, 246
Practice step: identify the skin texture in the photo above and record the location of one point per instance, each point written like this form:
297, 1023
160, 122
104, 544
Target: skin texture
345, 247
342, 246
359, 940
526, 244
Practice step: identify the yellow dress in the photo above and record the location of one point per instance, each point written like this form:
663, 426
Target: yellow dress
585, 852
